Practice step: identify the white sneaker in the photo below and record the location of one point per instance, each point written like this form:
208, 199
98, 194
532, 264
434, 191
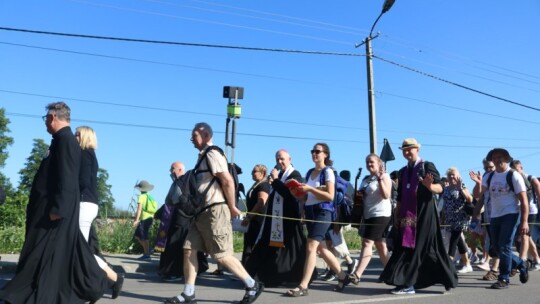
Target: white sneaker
536, 266
402, 291
465, 269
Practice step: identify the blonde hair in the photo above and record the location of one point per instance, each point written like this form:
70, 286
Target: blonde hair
261, 168
453, 169
87, 138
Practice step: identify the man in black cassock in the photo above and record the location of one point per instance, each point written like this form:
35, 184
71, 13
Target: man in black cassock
56, 264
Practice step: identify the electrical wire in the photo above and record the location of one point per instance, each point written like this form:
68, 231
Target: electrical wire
456, 84
179, 43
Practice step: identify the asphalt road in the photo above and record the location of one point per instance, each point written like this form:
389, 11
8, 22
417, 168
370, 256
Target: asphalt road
142, 285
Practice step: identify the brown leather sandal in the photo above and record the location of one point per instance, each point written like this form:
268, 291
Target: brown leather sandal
354, 278
298, 293
491, 276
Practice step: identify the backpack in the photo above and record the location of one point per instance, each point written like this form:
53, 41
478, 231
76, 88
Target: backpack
150, 206
343, 201
528, 184
188, 200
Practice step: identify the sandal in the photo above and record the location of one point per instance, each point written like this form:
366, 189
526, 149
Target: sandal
342, 283
491, 276
354, 278
297, 293
217, 272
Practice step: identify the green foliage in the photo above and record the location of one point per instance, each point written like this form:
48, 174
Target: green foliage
106, 199
5, 140
13, 211
238, 241
12, 239
39, 151
115, 235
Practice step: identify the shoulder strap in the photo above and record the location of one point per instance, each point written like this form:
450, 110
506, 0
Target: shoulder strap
490, 176
308, 174
509, 179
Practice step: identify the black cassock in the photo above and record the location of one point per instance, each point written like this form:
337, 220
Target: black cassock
56, 264
280, 266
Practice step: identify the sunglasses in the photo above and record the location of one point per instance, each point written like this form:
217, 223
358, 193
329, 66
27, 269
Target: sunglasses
316, 151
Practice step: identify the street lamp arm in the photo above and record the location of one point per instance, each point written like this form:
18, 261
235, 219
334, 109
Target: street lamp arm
374, 23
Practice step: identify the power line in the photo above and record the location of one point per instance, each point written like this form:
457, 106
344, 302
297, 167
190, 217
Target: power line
163, 63
180, 43
259, 135
456, 84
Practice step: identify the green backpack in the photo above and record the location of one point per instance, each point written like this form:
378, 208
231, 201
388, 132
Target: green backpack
151, 205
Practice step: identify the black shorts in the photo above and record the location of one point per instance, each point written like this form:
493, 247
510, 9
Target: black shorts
142, 229
375, 227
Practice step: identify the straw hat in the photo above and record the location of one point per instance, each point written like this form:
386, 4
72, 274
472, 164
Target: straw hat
409, 143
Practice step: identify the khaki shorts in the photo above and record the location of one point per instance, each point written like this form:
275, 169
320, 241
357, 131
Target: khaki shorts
212, 232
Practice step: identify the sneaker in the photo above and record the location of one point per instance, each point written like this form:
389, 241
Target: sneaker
330, 276
144, 257
499, 285
524, 275
172, 279
536, 266
352, 266
474, 259
252, 293
403, 290
465, 269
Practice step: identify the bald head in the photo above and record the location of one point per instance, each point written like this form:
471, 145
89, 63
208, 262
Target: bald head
177, 168
283, 159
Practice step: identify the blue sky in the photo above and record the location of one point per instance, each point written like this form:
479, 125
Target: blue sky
143, 99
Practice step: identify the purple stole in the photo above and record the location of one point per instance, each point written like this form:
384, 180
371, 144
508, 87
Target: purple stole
408, 204
165, 221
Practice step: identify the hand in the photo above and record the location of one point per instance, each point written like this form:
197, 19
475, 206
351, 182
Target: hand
136, 223
459, 183
274, 173
524, 228
427, 180
54, 217
476, 177
235, 211
245, 222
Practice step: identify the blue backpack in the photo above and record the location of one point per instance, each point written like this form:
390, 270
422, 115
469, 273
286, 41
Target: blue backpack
343, 202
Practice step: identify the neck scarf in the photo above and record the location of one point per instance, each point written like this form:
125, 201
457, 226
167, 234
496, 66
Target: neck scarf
408, 211
276, 228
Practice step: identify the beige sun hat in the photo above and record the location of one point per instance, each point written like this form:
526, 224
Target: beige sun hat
144, 186
409, 143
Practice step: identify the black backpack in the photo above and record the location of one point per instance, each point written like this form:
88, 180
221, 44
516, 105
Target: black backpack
528, 185
188, 200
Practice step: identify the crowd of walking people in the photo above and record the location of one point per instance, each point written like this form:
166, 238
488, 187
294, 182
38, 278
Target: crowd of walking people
415, 219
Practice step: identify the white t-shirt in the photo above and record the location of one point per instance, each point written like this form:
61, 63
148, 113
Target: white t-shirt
503, 201
374, 204
329, 178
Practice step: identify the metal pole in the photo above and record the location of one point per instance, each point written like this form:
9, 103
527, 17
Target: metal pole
371, 98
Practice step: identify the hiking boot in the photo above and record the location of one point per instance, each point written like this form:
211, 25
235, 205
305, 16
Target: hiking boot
252, 293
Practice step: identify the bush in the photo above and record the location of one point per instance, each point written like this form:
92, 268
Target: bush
12, 239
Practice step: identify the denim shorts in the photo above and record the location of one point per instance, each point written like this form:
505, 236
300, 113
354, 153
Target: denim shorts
323, 220
142, 229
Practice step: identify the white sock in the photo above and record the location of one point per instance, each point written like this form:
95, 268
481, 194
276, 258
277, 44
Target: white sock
249, 281
189, 289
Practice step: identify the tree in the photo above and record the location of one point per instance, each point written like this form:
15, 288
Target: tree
5, 141
106, 200
39, 151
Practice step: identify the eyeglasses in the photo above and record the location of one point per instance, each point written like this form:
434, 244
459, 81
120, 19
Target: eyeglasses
488, 167
44, 117
316, 151
78, 134
255, 171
